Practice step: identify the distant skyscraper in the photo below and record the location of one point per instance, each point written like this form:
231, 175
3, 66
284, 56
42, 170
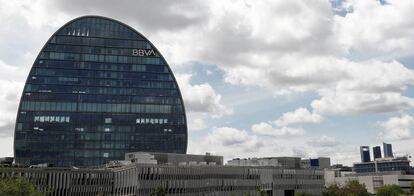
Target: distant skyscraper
377, 152
387, 150
365, 157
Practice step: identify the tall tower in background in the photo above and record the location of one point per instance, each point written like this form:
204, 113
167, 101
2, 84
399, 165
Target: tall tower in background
387, 150
377, 152
365, 156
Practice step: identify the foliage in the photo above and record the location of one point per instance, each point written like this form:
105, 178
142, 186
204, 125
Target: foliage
260, 192
351, 188
159, 191
18, 186
412, 187
302, 194
390, 190
333, 190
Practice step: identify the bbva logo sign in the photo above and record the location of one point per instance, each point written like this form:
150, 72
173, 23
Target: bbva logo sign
143, 52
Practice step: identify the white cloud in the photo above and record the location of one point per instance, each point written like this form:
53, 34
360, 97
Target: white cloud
369, 86
154, 16
352, 102
372, 28
300, 115
196, 122
229, 136
235, 143
11, 89
264, 128
324, 141
209, 72
280, 126
303, 48
29, 25
6, 146
373, 86
227, 141
200, 98
397, 128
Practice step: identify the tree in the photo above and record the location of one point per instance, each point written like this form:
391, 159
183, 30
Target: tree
412, 187
260, 192
333, 190
18, 186
351, 188
159, 191
390, 190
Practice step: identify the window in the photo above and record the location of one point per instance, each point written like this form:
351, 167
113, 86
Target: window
151, 121
19, 126
106, 154
81, 129
108, 120
107, 136
52, 119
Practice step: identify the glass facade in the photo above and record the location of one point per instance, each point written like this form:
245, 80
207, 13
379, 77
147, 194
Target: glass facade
97, 90
365, 155
387, 150
383, 166
377, 152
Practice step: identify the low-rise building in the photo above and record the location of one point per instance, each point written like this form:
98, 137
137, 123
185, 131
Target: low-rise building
336, 171
374, 181
173, 158
319, 163
143, 177
282, 162
384, 165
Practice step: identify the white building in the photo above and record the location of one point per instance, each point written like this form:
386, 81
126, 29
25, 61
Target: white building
283, 162
372, 181
317, 163
142, 173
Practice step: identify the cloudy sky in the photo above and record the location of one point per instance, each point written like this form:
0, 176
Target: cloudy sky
259, 78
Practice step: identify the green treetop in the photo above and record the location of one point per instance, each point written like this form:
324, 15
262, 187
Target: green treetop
351, 188
390, 190
18, 186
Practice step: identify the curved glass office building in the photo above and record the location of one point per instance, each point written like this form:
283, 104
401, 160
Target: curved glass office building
97, 90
